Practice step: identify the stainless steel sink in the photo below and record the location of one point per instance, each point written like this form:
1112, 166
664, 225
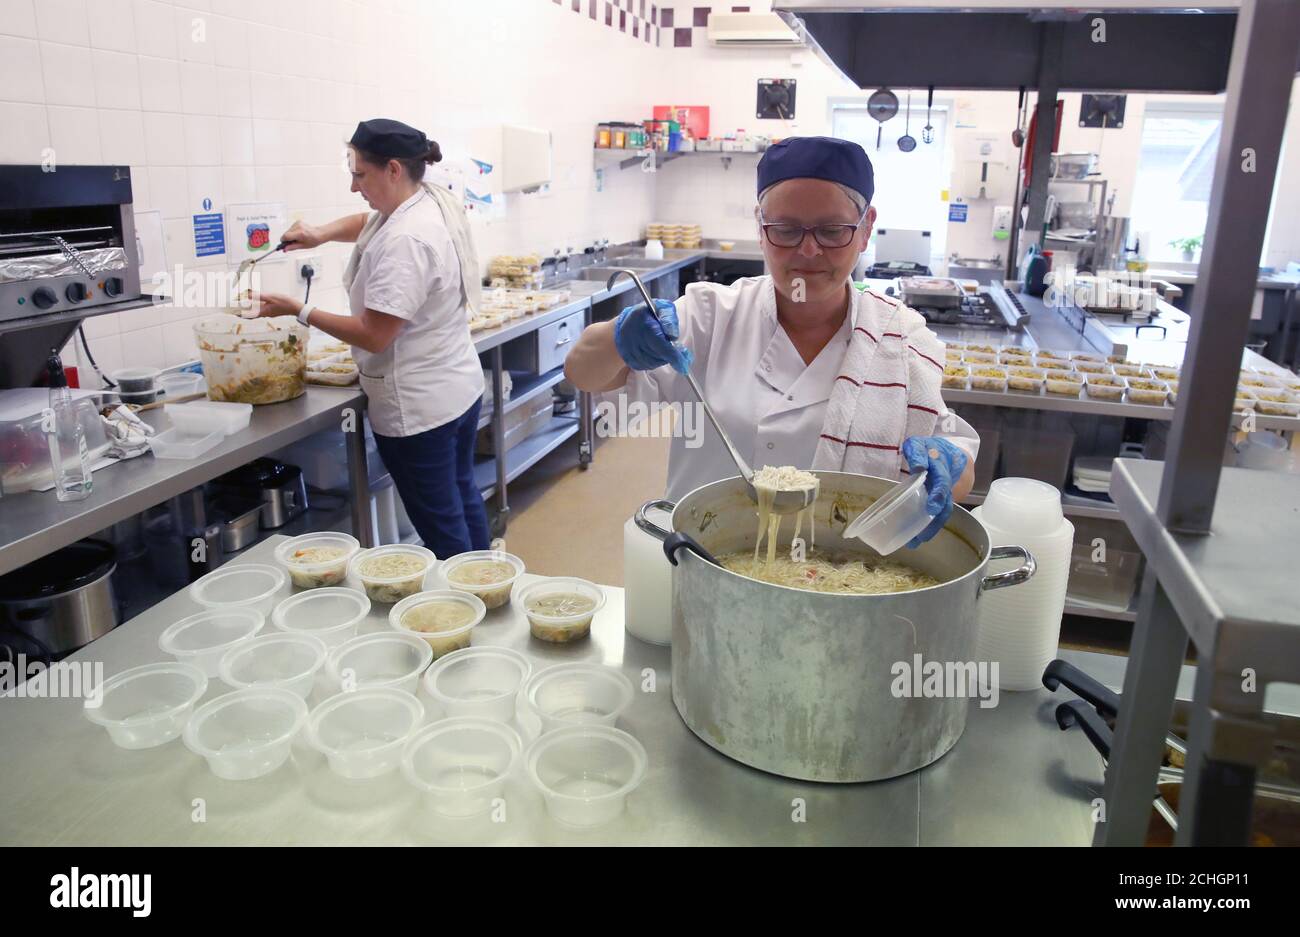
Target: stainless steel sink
602, 274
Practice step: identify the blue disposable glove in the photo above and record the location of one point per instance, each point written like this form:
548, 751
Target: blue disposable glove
944, 463
645, 342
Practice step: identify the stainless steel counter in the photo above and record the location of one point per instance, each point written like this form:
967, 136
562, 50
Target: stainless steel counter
33, 523
1013, 779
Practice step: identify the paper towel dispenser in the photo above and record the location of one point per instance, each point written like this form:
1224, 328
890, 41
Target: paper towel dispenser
522, 156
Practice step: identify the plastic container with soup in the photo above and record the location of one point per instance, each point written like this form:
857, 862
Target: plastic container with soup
487, 574
392, 573
560, 609
444, 618
316, 560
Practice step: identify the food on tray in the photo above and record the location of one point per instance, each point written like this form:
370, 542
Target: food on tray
988, 377
1131, 370
1258, 380
979, 357
1052, 364
1146, 391
1090, 367
1042, 353
984, 349
1165, 374
1104, 386
1276, 402
817, 574
1027, 379
956, 376
1084, 356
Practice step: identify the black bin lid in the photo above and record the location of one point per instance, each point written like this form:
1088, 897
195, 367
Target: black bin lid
63, 570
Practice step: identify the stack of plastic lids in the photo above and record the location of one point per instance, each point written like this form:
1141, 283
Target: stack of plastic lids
1092, 473
1019, 626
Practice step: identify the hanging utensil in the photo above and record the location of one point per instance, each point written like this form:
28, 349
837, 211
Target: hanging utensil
1018, 135
882, 105
907, 143
927, 132
784, 502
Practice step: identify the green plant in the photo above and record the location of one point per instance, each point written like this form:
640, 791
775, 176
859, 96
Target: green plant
1188, 245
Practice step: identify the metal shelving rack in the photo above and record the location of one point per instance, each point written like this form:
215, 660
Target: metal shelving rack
1220, 543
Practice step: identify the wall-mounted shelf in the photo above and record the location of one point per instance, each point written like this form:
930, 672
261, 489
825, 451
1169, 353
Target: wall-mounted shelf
637, 157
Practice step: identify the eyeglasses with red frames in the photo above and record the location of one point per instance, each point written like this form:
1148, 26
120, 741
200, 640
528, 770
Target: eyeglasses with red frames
784, 234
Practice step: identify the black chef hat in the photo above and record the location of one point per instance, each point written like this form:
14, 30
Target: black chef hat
390, 138
826, 158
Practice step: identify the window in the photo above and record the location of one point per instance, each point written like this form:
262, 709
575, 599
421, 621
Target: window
1171, 193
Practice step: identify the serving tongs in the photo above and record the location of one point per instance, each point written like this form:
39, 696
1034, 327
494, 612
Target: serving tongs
783, 502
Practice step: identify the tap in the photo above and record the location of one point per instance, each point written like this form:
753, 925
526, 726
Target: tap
568, 252
601, 247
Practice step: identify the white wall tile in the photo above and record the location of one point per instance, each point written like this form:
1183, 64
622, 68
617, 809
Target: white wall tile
236, 141
107, 350
295, 139
112, 25
74, 134
155, 29
26, 132
141, 194
18, 18
178, 242
178, 341
239, 183
205, 183
198, 88
160, 84
193, 35
164, 139
269, 49
121, 136
143, 348
20, 70
233, 98
270, 183
202, 141
69, 74
63, 21
268, 147
268, 102
117, 79
229, 39
170, 190
97, 326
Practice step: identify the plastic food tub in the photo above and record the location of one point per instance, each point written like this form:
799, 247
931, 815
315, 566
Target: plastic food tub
1086, 356
494, 594
461, 763
1147, 391
181, 384
1084, 366
1165, 374
585, 773
384, 659
557, 621
1052, 355
255, 361
390, 587
577, 694
1257, 379
199, 417
441, 639
988, 377
979, 357
362, 733
894, 518
307, 573
1276, 402
136, 381
1026, 379
956, 376
242, 585
204, 638
175, 443
247, 733
1064, 383
331, 614
478, 682
1105, 386
147, 706
1130, 370
1052, 364
1245, 400
289, 661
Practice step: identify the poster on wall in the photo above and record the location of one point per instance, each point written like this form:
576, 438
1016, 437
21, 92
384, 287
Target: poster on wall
253, 229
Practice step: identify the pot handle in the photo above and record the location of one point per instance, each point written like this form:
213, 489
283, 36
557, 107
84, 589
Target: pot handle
1060, 672
650, 526
1093, 726
678, 541
1013, 577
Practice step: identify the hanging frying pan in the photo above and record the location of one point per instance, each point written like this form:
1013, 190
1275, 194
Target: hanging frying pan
882, 105
907, 143
927, 132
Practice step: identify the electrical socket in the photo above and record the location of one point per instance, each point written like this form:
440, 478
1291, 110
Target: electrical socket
300, 260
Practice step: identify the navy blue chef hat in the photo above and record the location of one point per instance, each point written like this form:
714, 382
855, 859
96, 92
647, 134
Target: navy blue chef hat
390, 138
826, 158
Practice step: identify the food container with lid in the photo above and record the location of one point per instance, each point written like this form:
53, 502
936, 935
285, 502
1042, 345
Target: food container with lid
391, 573
1084, 366
331, 613
1086, 356
461, 571
248, 733
1147, 391
1130, 370
257, 361
200, 417
1064, 383
147, 706
176, 443
461, 763
362, 732
988, 377
1052, 364
289, 661
1026, 379
202, 639
577, 694
382, 659
956, 376
1104, 386
136, 380
247, 585
894, 518
181, 384
1245, 400
1258, 379
1164, 374
585, 773
316, 560
416, 615
979, 357
560, 609
478, 682
1275, 401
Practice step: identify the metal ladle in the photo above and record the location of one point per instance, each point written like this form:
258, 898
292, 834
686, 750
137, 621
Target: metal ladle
783, 502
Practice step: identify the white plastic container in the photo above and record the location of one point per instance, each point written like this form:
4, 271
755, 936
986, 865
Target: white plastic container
363, 733
242, 585
462, 764
248, 733
448, 639
315, 575
385, 659
894, 518
577, 694
493, 595
478, 682
147, 706
331, 614
200, 417
585, 773
391, 589
654, 249
647, 583
553, 626
181, 384
177, 444
204, 638
289, 661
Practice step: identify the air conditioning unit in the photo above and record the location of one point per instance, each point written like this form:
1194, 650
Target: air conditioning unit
751, 30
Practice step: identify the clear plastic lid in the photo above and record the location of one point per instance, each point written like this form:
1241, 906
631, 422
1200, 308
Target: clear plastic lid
321, 611
211, 630
243, 584
895, 518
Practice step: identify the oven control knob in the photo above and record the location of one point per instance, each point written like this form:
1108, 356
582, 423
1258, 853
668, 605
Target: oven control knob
44, 297
76, 292
113, 286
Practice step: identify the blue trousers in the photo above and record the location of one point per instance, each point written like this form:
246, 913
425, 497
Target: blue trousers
434, 474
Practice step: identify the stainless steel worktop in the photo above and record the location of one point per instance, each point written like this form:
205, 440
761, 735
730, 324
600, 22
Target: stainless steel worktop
35, 523
1014, 778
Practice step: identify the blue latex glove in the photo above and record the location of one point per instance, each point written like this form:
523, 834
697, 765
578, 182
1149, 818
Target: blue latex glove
944, 469
646, 343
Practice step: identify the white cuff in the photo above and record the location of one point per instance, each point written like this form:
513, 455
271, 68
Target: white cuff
306, 310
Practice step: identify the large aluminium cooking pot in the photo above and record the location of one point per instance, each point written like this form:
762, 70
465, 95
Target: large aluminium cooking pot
817, 686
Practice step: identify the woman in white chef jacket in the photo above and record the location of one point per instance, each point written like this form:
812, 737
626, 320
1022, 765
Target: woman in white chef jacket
410, 277
801, 368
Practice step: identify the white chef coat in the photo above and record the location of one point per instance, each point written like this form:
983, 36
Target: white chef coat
771, 403
430, 374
